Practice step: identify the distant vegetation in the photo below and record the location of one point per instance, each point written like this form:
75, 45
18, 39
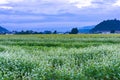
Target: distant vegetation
27, 32
109, 25
74, 31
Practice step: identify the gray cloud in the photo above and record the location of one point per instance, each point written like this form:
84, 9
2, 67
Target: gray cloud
39, 11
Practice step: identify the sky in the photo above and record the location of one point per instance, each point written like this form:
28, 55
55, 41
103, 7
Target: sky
56, 14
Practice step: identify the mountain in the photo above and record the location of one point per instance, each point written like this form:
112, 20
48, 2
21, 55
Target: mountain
108, 26
85, 29
3, 30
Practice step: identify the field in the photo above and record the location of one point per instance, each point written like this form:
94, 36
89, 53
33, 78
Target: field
60, 57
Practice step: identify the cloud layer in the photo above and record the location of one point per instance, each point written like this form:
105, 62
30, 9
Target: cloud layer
56, 6
36, 11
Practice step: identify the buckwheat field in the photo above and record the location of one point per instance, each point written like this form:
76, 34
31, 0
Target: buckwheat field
60, 57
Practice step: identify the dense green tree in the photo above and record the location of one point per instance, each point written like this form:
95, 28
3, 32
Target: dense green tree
112, 31
55, 32
74, 31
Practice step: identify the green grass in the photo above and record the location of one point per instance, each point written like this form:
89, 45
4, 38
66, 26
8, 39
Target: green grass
60, 57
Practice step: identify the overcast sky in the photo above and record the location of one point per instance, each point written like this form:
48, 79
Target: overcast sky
62, 12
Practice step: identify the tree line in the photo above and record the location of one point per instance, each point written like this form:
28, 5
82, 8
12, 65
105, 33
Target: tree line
73, 31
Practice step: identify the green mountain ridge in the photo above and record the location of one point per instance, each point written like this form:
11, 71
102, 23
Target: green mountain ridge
3, 30
107, 25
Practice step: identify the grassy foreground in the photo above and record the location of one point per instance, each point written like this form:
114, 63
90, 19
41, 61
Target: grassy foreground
60, 57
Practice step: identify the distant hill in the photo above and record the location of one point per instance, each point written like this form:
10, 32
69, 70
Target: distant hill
108, 25
86, 29
3, 30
